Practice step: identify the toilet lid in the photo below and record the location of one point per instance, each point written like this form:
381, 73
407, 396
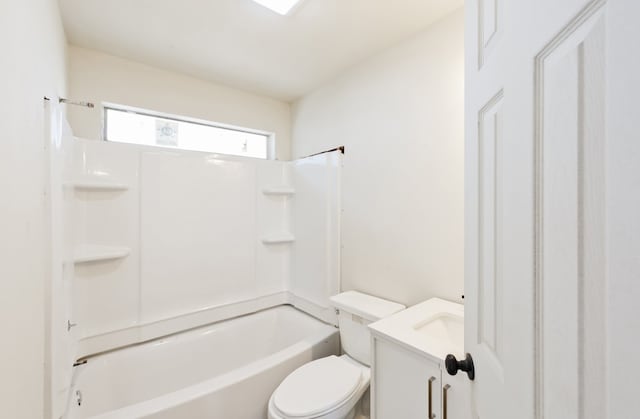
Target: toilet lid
317, 387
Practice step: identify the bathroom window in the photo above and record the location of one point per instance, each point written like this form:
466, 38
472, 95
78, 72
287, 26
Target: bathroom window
126, 125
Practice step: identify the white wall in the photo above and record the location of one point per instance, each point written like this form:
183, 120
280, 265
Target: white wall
33, 66
98, 77
400, 116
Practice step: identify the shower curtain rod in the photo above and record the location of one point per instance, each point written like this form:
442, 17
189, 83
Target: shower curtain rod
340, 149
89, 105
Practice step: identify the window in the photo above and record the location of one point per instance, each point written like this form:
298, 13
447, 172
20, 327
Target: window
149, 128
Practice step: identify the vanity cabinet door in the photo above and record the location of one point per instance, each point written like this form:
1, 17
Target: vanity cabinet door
456, 397
400, 384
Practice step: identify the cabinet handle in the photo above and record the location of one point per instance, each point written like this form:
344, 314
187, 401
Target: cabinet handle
445, 390
431, 380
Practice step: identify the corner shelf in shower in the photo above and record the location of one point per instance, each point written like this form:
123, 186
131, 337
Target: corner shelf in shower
95, 253
279, 191
279, 238
97, 185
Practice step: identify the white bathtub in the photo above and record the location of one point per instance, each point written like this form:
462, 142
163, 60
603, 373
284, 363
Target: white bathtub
227, 370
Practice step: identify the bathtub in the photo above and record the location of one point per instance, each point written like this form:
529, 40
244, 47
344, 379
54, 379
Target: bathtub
227, 370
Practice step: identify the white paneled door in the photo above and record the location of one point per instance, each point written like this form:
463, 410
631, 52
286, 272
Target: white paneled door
545, 121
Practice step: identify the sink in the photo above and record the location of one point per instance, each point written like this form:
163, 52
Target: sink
445, 328
434, 328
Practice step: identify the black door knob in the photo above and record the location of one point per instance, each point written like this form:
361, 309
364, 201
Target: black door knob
466, 365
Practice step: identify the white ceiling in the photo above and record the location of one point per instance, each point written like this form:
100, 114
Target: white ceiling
241, 44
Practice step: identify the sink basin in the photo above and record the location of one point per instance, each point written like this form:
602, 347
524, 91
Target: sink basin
434, 328
445, 328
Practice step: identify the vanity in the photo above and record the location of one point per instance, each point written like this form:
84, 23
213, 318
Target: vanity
409, 379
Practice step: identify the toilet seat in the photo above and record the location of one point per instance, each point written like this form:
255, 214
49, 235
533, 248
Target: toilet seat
320, 388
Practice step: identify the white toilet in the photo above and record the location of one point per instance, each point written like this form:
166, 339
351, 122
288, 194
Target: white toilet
333, 387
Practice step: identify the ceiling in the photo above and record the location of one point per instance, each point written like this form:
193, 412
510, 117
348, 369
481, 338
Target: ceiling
242, 44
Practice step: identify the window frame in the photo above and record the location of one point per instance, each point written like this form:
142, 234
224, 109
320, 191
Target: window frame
270, 136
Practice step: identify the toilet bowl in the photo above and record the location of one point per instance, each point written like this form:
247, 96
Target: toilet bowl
333, 387
327, 388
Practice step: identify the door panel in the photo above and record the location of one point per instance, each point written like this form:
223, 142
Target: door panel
535, 206
489, 27
622, 208
570, 226
487, 105
489, 229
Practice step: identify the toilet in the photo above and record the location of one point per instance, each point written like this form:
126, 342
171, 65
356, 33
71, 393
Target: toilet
334, 387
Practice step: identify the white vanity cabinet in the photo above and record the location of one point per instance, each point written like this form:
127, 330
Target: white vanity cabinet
403, 384
409, 385
456, 391
408, 377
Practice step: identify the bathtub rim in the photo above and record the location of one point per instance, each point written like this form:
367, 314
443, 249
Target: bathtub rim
146, 332
85, 359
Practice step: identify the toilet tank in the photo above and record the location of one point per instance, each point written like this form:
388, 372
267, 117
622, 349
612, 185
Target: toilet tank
355, 311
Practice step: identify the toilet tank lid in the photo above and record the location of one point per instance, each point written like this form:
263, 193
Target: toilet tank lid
366, 306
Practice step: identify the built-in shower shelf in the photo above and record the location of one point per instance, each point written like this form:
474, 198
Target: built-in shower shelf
279, 238
98, 185
279, 190
95, 253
